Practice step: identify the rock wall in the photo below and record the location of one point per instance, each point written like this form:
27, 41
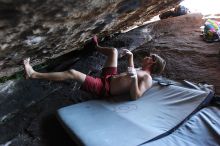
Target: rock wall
28, 107
178, 40
46, 29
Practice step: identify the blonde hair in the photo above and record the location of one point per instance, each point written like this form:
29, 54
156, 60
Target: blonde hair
159, 64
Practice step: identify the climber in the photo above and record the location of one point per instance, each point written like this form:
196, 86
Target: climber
134, 82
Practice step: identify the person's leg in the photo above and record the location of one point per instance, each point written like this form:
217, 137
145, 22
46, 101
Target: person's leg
55, 76
111, 53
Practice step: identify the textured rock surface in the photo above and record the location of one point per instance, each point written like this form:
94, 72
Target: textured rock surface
188, 56
47, 29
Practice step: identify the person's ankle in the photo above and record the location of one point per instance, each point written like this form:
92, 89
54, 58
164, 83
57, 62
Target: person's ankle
98, 48
32, 74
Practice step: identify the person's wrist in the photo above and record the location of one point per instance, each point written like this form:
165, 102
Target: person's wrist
134, 76
131, 71
131, 56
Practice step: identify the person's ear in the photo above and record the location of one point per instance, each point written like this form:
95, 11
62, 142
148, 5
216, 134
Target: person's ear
154, 61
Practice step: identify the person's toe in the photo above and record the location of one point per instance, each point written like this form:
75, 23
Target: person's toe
26, 60
95, 39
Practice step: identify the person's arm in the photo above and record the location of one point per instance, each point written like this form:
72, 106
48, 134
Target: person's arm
138, 88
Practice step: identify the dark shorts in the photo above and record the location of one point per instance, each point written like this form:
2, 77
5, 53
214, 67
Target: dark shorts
100, 86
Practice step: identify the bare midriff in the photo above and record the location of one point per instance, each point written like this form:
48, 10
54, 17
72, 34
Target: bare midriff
120, 84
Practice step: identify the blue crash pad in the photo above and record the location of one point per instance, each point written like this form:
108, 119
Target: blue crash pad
130, 123
202, 129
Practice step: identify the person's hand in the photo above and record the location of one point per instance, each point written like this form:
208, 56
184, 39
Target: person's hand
127, 52
132, 72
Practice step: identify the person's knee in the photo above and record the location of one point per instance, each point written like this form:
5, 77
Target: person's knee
71, 73
76, 75
114, 51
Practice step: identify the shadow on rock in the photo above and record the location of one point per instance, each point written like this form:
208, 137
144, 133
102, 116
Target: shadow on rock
53, 133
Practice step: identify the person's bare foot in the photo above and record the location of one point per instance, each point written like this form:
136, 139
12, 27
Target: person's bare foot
28, 68
95, 40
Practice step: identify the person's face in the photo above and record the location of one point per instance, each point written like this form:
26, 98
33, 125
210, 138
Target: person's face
149, 60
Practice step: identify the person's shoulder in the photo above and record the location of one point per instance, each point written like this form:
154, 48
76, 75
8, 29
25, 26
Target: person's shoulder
147, 81
146, 77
